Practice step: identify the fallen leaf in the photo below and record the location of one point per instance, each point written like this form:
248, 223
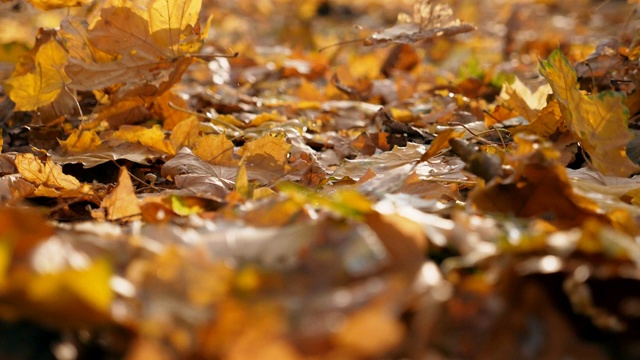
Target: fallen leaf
598, 121
215, 149
430, 19
46, 174
57, 4
80, 141
152, 138
41, 83
266, 158
121, 203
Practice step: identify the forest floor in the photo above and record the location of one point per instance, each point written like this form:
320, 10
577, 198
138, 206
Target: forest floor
281, 179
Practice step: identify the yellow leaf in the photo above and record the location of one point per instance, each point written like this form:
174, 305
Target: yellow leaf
57, 4
215, 149
44, 82
122, 202
185, 133
274, 150
169, 18
598, 121
523, 101
80, 141
242, 183
48, 173
90, 285
152, 138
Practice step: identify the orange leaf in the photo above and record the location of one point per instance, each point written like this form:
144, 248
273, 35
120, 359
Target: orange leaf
122, 202
185, 133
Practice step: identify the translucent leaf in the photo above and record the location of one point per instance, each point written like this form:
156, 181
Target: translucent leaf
57, 4
43, 83
48, 173
598, 121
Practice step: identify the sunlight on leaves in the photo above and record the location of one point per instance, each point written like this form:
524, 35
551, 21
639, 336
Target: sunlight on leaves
80, 142
42, 83
57, 4
215, 149
152, 138
46, 173
598, 121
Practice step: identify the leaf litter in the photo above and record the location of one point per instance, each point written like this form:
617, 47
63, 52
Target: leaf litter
446, 186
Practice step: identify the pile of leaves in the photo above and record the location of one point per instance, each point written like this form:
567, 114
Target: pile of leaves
261, 180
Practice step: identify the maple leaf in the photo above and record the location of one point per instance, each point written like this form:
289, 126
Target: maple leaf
40, 78
134, 48
598, 121
57, 4
430, 19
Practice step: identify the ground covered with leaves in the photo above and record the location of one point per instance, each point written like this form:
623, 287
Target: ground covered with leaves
281, 179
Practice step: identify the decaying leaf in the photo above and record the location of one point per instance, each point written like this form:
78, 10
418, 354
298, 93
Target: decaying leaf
598, 121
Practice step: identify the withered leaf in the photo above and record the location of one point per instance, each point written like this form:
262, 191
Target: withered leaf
430, 19
121, 203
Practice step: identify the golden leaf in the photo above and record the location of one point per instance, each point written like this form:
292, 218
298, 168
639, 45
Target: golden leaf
185, 133
598, 121
122, 202
169, 115
215, 149
81, 141
268, 150
57, 4
41, 84
152, 138
173, 16
48, 174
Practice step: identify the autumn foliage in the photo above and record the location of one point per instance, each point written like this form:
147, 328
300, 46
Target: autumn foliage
264, 180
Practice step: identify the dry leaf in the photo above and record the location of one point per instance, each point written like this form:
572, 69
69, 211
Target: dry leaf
215, 149
152, 138
47, 174
42, 82
122, 203
80, 142
598, 121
